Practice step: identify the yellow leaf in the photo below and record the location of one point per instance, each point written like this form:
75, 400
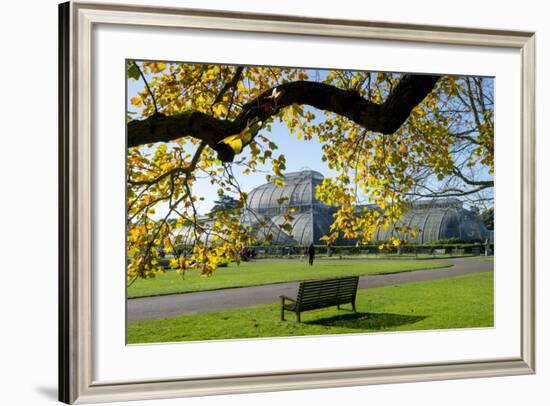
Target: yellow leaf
136, 101
220, 110
234, 142
279, 182
157, 67
237, 141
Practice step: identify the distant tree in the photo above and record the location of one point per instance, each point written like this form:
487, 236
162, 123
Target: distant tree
225, 203
488, 218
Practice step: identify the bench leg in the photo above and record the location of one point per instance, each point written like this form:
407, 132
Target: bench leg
353, 307
298, 317
282, 309
338, 306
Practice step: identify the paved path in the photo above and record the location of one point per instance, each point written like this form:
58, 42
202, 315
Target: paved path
158, 307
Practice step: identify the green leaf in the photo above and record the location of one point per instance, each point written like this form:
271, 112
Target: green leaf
282, 200
286, 227
133, 72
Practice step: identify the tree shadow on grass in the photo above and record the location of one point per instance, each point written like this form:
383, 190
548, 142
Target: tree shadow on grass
367, 321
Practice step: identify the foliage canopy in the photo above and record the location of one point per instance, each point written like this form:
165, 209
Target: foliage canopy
390, 138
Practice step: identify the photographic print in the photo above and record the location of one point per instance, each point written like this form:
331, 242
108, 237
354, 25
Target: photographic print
267, 201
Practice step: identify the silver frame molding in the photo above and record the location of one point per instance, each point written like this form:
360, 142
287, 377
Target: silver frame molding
76, 21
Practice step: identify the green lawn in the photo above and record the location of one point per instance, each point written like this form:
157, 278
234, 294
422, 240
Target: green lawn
265, 272
458, 302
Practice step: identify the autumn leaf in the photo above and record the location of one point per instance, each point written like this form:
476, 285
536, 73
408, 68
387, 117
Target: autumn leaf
288, 217
136, 101
237, 141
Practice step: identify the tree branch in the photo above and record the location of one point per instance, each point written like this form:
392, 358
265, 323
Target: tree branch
148, 88
485, 183
385, 118
446, 193
229, 85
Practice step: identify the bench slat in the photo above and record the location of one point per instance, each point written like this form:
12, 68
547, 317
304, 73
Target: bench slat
320, 297
328, 282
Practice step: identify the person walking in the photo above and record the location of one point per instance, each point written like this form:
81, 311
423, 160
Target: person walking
311, 253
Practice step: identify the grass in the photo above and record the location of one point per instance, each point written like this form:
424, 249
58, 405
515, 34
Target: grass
457, 302
265, 272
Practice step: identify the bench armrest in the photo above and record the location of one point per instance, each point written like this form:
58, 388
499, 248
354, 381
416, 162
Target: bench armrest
287, 298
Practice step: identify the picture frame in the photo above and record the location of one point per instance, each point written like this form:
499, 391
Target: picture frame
76, 214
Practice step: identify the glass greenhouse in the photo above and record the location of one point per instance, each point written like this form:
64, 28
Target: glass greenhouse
267, 205
433, 220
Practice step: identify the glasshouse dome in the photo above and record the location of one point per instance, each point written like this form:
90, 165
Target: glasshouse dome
299, 191
310, 221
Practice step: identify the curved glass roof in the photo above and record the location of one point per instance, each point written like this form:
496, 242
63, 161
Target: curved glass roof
308, 227
263, 227
433, 222
299, 189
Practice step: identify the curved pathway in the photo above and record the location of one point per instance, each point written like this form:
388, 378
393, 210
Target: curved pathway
158, 307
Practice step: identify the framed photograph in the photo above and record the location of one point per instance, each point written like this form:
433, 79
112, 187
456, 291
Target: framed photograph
262, 202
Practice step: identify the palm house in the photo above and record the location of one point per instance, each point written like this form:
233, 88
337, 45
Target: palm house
267, 204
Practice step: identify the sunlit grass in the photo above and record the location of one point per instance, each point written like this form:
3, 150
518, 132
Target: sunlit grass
265, 272
457, 302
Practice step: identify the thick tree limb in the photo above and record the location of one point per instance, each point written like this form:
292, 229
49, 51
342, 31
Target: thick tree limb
385, 118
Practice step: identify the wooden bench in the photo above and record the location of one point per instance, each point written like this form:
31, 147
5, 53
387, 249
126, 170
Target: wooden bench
317, 294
